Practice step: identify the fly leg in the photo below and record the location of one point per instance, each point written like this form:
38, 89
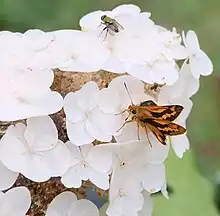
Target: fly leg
103, 31
106, 34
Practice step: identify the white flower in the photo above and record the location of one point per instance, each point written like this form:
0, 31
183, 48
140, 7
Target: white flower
130, 130
26, 93
24, 51
147, 209
67, 204
125, 199
16, 201
179, 94
7, 178
21, 51
159, 71
140, 48
25, 76
154, 177
137, 95
34, 150
180, 143
37, 40
87, 162
85, 120
92, 21
146, 165
77, 51
198, 60
185, 87
171, 41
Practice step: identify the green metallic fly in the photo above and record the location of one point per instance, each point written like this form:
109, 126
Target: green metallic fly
111, 25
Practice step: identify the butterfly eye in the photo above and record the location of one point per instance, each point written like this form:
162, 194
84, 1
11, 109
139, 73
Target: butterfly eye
134, 112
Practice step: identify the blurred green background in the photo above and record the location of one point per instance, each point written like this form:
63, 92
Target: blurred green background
193, 179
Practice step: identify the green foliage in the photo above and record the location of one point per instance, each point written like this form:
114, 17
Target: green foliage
193, 194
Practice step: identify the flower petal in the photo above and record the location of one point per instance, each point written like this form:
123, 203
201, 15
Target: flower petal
141, 72
154, 178
77, 133
192, 42
8, 177
96, 132
148, 205
20, 108
61, 204
58, 167
180, 144
36, 168
41, 133
84, 207
40, 38
126, 9
12, 145
101, 180
89, 95
200, 64
114, 65
71, 108
72, 177
91, 20
76, 153
109, 100
17, 200
104, 161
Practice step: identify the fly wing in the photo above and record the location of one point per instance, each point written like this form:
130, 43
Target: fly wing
118, 25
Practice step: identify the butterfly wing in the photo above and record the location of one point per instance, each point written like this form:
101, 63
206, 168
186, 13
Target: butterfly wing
169, 112
166, 127
160, 136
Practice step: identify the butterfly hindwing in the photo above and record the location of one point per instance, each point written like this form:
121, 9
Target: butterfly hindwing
157, 133
166, 127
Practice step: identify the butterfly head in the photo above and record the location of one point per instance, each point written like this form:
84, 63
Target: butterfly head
133, 110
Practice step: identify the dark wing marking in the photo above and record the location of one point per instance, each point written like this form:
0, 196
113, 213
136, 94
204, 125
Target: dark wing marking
170, 112
148, 103
166, 127
160, 136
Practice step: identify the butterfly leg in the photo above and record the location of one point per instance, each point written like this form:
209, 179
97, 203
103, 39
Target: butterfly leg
121, 112
147, 135
125, 124
138, 129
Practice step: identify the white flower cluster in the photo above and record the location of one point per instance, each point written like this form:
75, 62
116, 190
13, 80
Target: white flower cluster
124, 40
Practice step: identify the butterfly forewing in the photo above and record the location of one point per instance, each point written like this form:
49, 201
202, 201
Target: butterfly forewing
169, 112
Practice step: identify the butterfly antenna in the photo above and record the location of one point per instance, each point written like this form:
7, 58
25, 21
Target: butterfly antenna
128, 93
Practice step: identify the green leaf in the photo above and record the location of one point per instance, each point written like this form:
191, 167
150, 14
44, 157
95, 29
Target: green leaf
193, 194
